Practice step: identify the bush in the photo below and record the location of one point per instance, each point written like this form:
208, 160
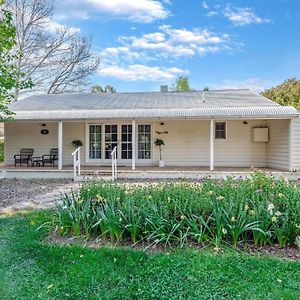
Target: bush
1, 149
259, 210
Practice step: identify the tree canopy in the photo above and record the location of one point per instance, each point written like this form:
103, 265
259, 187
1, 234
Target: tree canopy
8, 70
287, 93
182, 84
96, 88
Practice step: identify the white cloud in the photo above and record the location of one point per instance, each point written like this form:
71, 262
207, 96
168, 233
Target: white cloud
53, 26
129, 60
256, 84
141, 72
243, 16
144, 11
204, 5
211, 13
174, 43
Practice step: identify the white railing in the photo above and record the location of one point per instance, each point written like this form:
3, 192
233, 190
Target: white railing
76, 162
114, 172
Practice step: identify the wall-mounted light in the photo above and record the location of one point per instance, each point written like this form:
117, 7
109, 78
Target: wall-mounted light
44, 125
245, 122
162, 123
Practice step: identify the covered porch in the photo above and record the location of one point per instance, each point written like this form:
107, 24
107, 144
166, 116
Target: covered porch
192, 146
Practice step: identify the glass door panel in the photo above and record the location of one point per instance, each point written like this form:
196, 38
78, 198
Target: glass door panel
126, 142
144, 141
111, 139
94, 141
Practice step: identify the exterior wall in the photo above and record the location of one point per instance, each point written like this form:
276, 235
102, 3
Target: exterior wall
278, 145
186, 143
27, 135
295, 144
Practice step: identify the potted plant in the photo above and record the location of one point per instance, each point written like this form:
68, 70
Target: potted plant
77, 143
159, 143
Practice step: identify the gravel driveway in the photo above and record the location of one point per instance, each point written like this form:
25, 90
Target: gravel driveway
17, 190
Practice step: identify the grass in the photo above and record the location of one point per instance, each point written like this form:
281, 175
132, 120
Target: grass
32, 269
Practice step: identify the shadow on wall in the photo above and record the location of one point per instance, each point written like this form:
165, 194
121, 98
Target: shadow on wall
1, 130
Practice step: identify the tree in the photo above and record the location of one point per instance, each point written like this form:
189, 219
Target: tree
96, 88
287, 93
206, 89
8, 71
181, 84
56, 57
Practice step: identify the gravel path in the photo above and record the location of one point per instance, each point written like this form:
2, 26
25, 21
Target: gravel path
18, 194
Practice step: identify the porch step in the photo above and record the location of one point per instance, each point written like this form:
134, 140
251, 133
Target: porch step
92, 177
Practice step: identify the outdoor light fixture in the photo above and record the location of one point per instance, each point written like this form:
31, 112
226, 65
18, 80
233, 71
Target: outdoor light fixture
245, 122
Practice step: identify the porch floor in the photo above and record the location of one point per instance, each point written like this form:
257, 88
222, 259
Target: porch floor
127, 169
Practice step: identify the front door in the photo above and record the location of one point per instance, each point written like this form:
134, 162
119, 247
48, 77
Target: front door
111, 140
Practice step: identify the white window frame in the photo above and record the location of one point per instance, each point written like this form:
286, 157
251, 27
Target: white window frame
226, 131
87, 143
137, 142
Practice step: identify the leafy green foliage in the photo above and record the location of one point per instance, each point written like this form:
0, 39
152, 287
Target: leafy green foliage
8, 72
96, 88
259, 210
30, 268
181, 84
287, 93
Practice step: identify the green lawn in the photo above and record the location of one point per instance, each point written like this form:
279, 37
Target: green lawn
31, 269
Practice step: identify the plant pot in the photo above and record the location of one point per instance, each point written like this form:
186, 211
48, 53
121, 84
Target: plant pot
161, 164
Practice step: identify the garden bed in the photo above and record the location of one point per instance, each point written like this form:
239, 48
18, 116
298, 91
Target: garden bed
259, 211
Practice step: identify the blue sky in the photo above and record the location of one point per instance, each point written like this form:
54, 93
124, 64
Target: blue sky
219, 44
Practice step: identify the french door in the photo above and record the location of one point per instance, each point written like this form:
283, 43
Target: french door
103, 138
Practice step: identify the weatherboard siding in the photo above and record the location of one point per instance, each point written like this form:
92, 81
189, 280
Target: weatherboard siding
186, 143
296, 144
278, 145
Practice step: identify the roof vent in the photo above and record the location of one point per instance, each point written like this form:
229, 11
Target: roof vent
163, 88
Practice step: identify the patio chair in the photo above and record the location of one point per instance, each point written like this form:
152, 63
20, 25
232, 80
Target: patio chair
50, 158
25, 156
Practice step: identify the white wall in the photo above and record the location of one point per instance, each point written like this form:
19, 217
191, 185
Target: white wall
278, 145
296, 144
186, 144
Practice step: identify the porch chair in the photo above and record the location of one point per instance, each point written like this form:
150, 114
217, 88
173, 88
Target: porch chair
50, 158
25, 156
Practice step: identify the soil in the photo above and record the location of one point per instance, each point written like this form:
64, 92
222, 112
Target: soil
17, 190
290, 253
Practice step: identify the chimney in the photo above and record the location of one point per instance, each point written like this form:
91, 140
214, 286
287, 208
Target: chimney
164, 88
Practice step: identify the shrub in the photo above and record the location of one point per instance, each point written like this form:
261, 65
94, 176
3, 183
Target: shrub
259, 210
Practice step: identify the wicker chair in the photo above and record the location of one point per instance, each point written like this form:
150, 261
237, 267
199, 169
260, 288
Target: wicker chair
25, 156
50, 158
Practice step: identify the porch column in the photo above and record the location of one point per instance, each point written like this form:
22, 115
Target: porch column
60, 143
291, 152
211, 148
133, 145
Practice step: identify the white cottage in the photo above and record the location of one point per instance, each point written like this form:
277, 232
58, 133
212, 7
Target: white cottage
203, 131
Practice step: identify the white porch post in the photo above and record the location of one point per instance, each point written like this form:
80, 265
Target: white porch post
291, 152
211, 148
133, 145
60, 143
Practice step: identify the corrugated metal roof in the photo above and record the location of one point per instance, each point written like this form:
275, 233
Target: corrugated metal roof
225, 103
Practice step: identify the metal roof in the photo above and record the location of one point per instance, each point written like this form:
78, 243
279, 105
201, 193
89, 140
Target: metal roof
210, 104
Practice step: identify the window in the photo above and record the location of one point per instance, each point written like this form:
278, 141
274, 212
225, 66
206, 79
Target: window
144, 141
220, 130
95, 141
126, 145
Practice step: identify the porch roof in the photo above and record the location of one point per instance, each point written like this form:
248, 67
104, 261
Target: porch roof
210, 104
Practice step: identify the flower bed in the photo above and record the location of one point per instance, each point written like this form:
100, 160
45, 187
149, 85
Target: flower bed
258, 210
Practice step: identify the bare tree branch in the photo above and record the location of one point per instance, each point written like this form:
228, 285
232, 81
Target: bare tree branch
55, 57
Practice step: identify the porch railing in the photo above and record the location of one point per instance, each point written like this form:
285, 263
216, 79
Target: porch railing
76, 162
114, 171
